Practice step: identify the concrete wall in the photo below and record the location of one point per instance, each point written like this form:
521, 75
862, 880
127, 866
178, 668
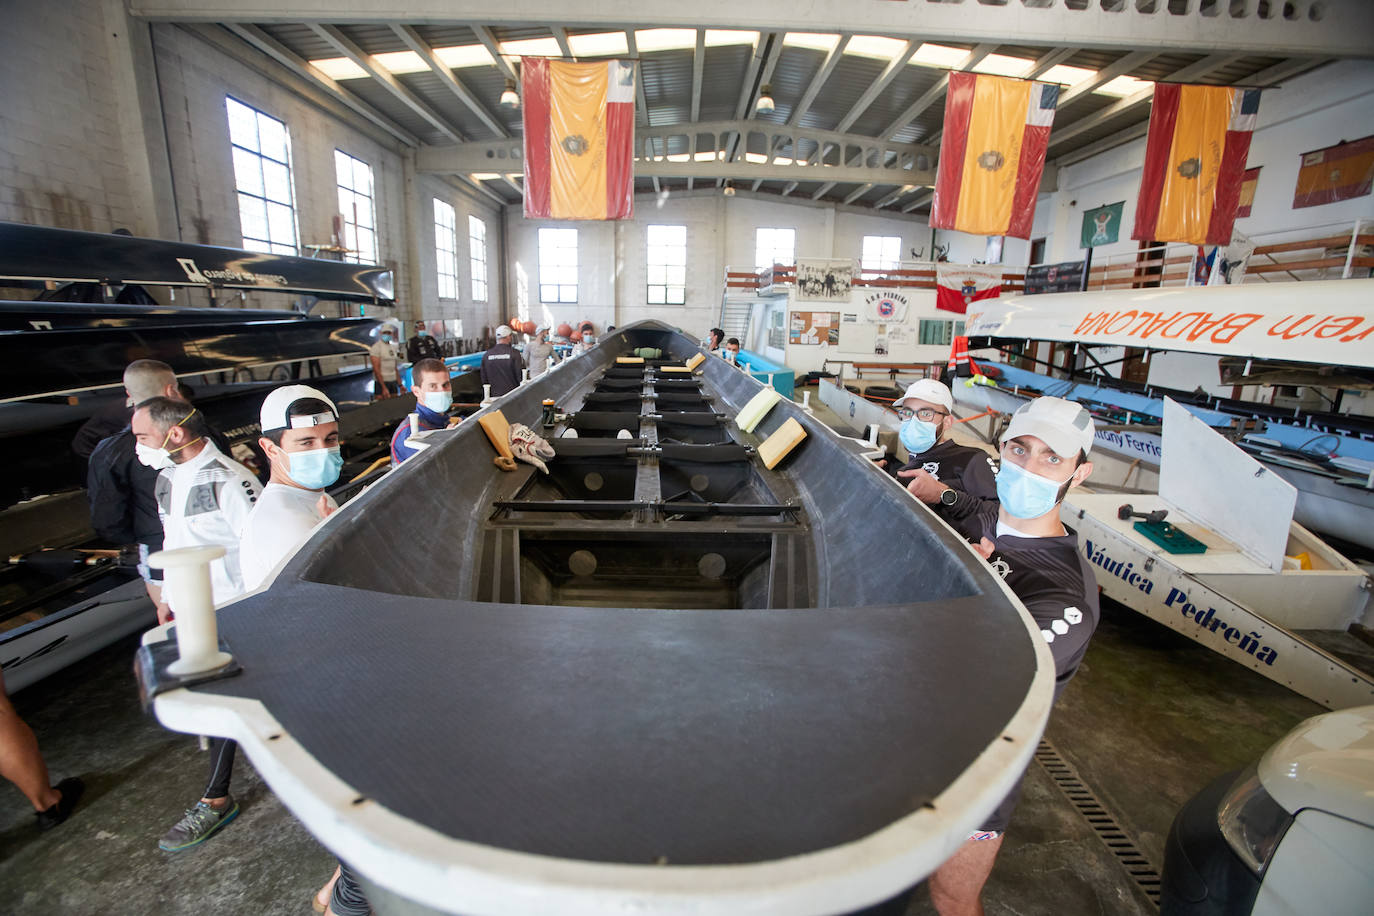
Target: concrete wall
720, 237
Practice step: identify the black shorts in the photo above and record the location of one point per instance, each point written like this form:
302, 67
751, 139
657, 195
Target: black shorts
997, 821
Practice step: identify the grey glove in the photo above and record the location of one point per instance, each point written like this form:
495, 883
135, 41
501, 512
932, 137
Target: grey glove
528, 447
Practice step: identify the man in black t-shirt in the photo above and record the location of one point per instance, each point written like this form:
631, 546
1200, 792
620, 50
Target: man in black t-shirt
421, 345
1044, 454
502, 364
958, 482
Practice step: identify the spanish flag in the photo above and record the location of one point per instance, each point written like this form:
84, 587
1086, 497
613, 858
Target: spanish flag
579, 123
1194, 163
992, 154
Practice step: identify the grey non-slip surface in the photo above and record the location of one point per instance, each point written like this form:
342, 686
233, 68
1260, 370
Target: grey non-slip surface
632, 736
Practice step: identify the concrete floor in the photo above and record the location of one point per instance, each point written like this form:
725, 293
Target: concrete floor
1148, 721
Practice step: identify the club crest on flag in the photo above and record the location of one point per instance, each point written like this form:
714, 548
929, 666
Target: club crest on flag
1190, 168
576, 144
991, 160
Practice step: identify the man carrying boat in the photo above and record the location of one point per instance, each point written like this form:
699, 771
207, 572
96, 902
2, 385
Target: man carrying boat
957, 481
433, 390
1044, 455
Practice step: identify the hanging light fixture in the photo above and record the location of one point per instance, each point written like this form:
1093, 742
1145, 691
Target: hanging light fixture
509, 97
729, 188
765, 103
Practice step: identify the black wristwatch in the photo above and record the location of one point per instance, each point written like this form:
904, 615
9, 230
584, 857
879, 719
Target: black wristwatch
948, 497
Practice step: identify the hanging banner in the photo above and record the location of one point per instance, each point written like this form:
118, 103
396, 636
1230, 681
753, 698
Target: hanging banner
992, 154
1248, 184
1338, 172
957, 285
886, 305
1101, 225
1332, 324
1194, 163
579, 138
822, 280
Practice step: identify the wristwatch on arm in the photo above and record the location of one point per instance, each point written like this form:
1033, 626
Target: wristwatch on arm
949, 496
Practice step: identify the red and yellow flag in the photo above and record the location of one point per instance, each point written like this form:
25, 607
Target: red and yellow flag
579, 138
1194, 163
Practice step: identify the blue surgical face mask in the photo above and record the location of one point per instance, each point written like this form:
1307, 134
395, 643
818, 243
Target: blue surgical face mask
316, 468
1026, 495
386, 338
437, 401
917, 435
422, 333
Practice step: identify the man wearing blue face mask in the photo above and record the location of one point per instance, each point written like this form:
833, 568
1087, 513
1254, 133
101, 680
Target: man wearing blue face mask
956, 481
1044, 455
300, 434
433, 390
421, 345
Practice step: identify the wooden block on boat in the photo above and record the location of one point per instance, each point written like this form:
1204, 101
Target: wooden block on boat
497, 428
673, 369
757, 408
776, 446
630, 360
696, 361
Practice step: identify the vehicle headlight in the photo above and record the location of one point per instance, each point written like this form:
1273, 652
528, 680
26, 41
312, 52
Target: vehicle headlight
1251, 821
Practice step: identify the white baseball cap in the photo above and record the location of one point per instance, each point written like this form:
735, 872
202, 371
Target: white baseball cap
503, 331
276, 409
1065, 426
927, 389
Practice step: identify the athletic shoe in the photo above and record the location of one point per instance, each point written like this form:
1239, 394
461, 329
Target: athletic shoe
198, 825
71, 789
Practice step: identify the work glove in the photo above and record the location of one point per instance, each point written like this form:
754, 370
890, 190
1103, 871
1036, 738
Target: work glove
528, 447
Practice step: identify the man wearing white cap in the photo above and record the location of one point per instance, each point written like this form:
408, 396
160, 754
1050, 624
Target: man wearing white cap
1044, 455
501, 364
956, 481
300, 434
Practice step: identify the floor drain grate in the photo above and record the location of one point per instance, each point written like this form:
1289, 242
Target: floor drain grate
1104, 825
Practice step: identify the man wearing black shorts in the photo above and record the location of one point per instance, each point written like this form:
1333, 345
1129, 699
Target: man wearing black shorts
1044, 455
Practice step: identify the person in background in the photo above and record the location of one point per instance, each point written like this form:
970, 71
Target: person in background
731, 353
204, 499
958, 482
120, 487
421, 345
714, 338
386, 364
588, 340
501, 365
22, 764
1044, 455
433, 390
538, 351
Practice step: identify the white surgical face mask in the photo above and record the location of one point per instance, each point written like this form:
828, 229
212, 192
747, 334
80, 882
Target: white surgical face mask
155, 458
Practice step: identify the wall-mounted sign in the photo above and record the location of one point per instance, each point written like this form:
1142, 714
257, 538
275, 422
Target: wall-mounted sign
823, 281
886, 305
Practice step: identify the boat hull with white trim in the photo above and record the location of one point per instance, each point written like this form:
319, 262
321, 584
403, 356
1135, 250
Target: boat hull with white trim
663, 677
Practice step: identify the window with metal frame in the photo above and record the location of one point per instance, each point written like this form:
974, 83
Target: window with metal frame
934, 333
477, 250
558, 265
666, 257
446, 248
357, 207
261, 148
881, 252
774, 246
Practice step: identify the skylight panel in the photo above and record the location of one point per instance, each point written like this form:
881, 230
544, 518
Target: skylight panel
817, 40
665, 39
339, 68
1002, 65
1066, 75
400, 62
716, 38
599, 44
1123, 86
929, 55
875, 46
531, 47
458, 56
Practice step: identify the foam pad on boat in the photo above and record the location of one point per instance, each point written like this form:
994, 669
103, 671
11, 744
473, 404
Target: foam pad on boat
757, 408
696, 360
775, 447
630, 360
673, 369
497, 428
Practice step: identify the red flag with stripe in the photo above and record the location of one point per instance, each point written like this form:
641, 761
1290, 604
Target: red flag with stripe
579, 138
992, 154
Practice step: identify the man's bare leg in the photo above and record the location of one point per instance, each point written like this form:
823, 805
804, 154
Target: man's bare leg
20, 761
155, 595
956, 888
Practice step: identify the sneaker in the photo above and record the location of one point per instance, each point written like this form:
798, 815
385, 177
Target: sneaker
198, 825
71, 789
